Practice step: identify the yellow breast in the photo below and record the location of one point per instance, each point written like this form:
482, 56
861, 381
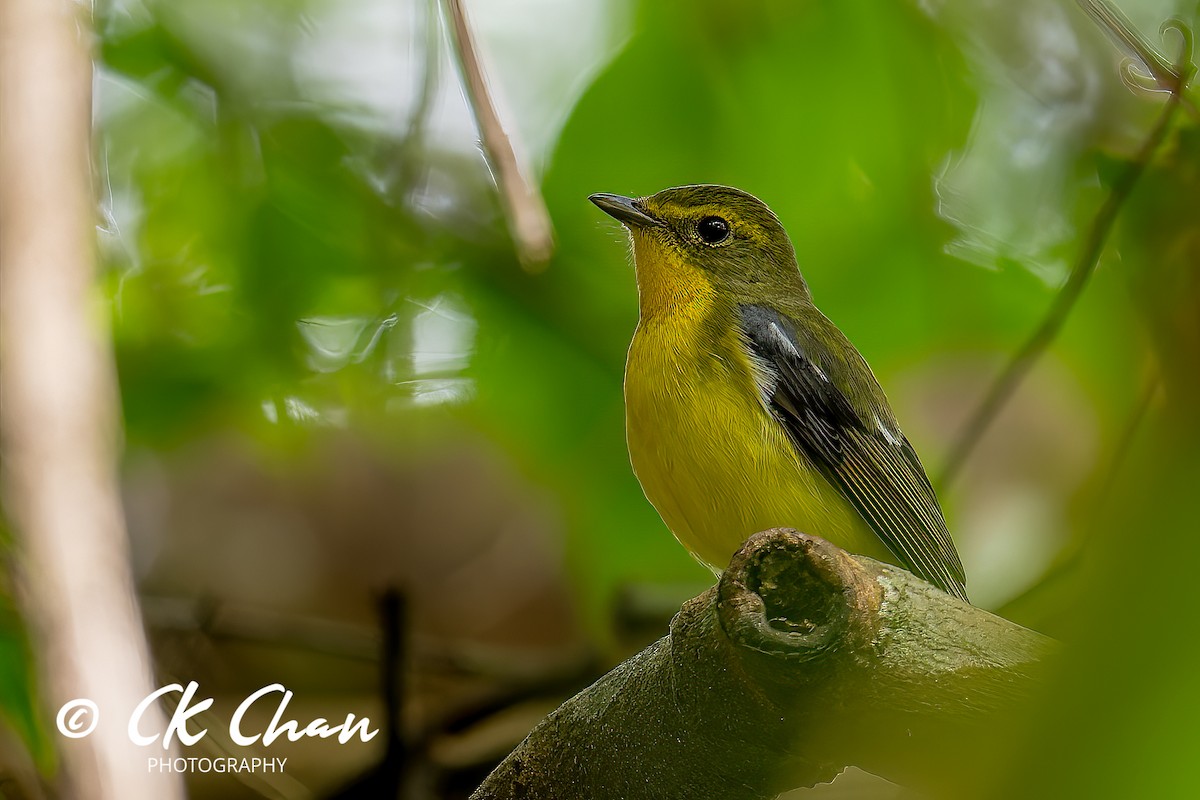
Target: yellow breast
709, 456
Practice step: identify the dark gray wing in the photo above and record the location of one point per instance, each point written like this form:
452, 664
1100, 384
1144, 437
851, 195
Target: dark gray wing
868, 460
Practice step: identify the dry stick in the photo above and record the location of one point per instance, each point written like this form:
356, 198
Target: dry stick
1021, 362
802, 660
58, 408
393, 607
528, 219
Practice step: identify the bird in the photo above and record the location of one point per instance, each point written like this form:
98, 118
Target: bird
747, 409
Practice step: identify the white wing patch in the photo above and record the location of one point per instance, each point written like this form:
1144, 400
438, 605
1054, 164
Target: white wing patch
783, 338
892, 435
786, 342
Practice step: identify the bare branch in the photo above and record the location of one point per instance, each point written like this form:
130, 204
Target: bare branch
58, 406
528, 219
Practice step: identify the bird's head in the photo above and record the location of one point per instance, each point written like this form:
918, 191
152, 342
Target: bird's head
705, 237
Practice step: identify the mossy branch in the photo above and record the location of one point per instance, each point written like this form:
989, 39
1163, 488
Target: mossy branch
804, 659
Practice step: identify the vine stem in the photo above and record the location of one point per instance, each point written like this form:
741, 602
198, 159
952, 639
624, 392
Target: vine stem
1027, 355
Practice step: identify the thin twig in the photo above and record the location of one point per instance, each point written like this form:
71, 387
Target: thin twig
411, 166
528, 219
1162, 75
224, 622
1167, 77
1069, 559
393, 662
1150, 387
1023, 360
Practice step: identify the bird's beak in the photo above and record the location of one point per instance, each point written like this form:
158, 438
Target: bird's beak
625, 210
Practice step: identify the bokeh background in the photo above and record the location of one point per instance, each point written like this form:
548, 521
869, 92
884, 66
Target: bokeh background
340, 383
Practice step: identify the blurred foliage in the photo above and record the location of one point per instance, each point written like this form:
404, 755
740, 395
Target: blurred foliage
1132, 646
18, 697
282, 264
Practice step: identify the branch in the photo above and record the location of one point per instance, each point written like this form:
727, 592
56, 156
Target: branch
1024, 359
802, 660
58, 406
1160, 74
410, 159
1173, 79
528, 220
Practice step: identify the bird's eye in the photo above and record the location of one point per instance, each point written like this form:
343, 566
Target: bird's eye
712, 230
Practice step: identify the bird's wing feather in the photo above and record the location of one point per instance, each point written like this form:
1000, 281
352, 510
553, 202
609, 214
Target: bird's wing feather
868, 460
